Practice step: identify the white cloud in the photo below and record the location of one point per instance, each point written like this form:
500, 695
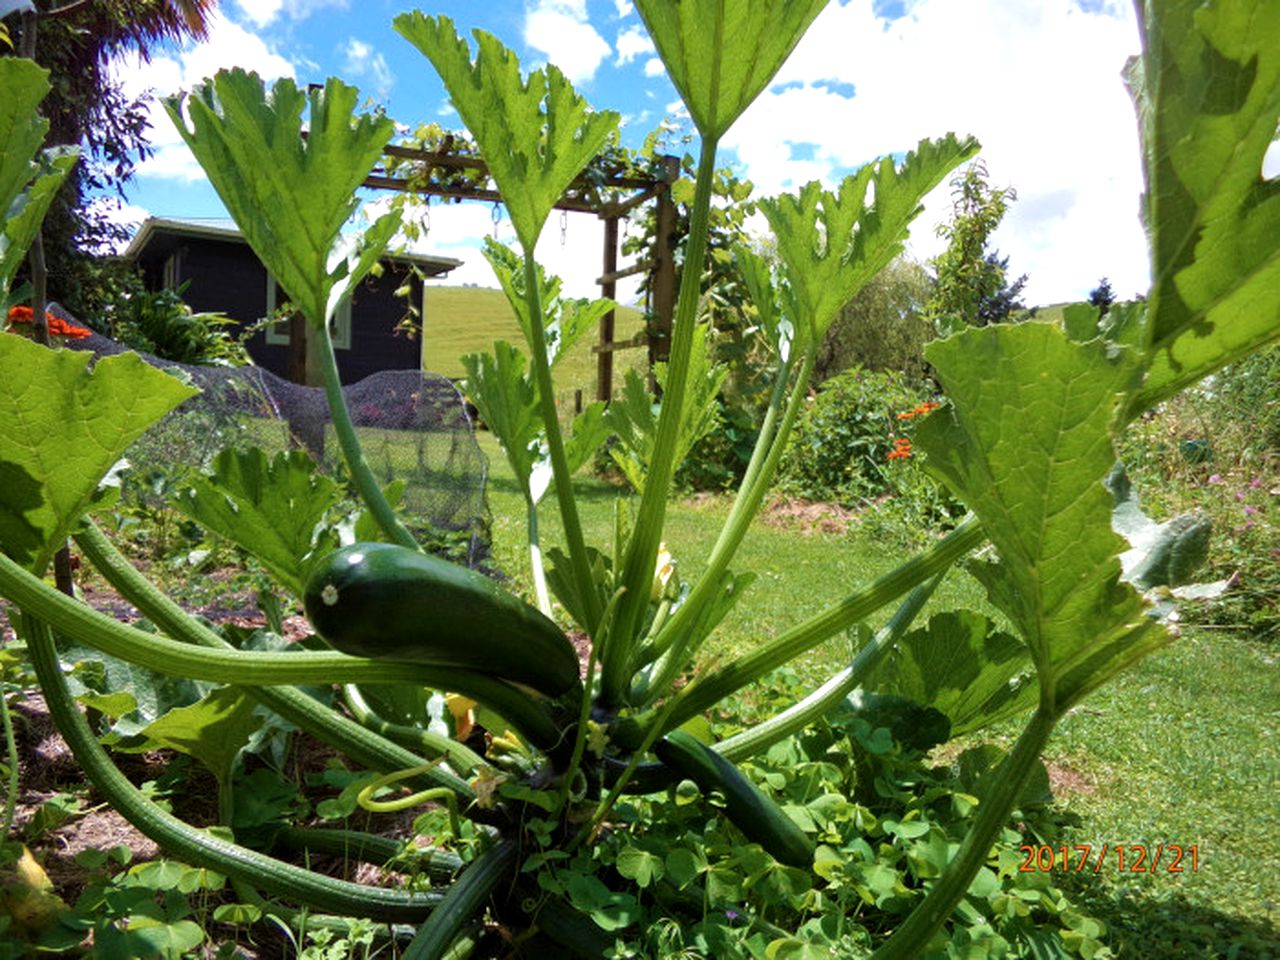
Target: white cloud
228, 45
635, 119
632, 42
360, 60
262, 13
560, 30
653, 67
1038, 84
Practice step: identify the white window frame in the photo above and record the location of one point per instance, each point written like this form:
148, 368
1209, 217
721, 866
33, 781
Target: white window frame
277, 333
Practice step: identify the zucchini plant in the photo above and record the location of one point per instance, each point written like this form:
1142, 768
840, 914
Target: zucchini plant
1026, 438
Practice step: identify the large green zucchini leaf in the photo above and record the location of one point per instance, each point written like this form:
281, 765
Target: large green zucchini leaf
832, 244
1208, 97
27, 184
721, 53
961, 665
289, 193
535, 135
1026, 443
270, 507
504, 394
64, 427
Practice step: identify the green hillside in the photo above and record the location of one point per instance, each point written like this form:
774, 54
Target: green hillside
461, 320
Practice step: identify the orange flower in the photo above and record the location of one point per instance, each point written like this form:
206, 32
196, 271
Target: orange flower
57, 326
919, 410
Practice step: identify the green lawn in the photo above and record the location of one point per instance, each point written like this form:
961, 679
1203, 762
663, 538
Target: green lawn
462, 320
1181, 750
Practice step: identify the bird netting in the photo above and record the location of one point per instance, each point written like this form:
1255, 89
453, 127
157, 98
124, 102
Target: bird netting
415, 429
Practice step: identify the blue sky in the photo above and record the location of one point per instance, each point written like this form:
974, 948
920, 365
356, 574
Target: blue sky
1038, 83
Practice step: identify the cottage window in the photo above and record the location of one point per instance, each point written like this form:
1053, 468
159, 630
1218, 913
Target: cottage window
277, 333
172, 271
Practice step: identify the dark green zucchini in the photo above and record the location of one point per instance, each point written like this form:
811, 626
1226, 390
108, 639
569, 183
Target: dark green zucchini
389, 602
756, 815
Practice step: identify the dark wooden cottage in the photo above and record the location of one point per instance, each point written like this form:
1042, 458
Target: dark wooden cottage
223, 275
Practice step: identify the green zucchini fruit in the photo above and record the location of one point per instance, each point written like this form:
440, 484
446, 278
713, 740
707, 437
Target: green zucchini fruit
388, 602
756, 815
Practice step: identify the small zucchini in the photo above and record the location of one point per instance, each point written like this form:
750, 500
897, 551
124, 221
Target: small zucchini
388, 602
756, 815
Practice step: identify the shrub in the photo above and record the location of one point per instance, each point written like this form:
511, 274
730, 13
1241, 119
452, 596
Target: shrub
719, 459
159, 323
843, 439
1217, 450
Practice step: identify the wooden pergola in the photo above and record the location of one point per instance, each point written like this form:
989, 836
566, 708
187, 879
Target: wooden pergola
441, 173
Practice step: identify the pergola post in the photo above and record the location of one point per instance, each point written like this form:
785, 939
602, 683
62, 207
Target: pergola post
663, 286
608, 289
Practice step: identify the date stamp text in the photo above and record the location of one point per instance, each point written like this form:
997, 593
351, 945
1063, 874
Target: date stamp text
1121, 857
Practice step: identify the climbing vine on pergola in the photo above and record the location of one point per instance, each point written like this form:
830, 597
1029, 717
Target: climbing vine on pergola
437, 163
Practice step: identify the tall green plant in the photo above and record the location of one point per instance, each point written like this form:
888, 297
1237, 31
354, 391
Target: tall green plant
29, 177
1026, 439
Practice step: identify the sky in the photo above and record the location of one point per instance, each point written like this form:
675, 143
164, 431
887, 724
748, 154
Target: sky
1038, 83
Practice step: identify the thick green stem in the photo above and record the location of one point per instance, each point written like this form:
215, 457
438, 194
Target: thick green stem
464, 900
1005, 786
710, 690
764, 440
541, 365
365, 482
440, 865
573, 930
300, 920
11, 754
660, 638
637, 572
186, 842
535, 560
750, 494
752, 741
262, 668
358, 743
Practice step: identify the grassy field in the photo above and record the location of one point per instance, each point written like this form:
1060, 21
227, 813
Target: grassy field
462, 320
1181, 750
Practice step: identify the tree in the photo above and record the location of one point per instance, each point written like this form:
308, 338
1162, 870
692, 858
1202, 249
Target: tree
1102, 296
883, 327
972, 286
76, 42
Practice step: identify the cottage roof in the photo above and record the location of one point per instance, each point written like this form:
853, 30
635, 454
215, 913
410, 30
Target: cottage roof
158, 236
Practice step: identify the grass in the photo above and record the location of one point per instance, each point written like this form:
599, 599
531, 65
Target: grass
1183, 749
462, 320
798, 575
